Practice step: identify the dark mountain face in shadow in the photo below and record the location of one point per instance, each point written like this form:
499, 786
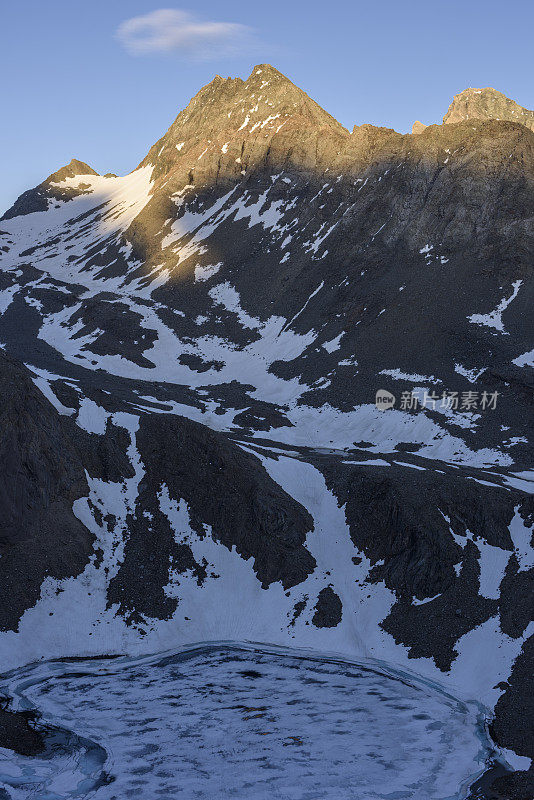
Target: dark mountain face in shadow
41, 477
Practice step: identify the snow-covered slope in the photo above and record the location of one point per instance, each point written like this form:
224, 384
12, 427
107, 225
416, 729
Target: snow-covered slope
210, 333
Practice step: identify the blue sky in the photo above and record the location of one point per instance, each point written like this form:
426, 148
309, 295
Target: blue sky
71, 87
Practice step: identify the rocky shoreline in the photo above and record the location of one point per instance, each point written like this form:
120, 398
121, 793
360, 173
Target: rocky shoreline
17, 732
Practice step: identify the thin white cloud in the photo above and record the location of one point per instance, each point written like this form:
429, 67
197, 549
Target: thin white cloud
170, 30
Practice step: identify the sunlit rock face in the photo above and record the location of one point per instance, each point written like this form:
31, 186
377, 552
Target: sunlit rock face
192, 354
418, 127
487, 104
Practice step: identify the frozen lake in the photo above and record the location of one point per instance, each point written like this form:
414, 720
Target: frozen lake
230, 722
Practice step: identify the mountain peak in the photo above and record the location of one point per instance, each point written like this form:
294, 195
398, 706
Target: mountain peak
266, 71
39, 198
232, 122
418, 127
487, 103
71, 170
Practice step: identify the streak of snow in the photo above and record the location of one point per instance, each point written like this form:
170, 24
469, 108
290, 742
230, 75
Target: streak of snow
494, 318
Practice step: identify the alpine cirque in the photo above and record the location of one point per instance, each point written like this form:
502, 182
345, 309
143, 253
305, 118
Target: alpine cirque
192, 444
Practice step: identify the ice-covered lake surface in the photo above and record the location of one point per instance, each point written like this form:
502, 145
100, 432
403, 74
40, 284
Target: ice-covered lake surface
225, 721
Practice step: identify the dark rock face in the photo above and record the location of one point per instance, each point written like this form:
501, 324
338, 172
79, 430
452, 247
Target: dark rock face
404, 518
328, 610
105, 457
515, 786
117, 330
416, 527
41, 476
17, 734
227, 490
514, 712
517, 583
151, 551
432, 632
45, 455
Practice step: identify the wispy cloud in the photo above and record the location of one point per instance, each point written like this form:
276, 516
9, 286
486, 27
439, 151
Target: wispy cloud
170, 30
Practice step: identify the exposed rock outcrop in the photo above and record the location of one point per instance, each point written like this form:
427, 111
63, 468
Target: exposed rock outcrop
487, 103
418, 127
42, 475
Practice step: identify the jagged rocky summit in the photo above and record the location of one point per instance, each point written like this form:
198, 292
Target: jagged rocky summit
191, 356
485, 104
